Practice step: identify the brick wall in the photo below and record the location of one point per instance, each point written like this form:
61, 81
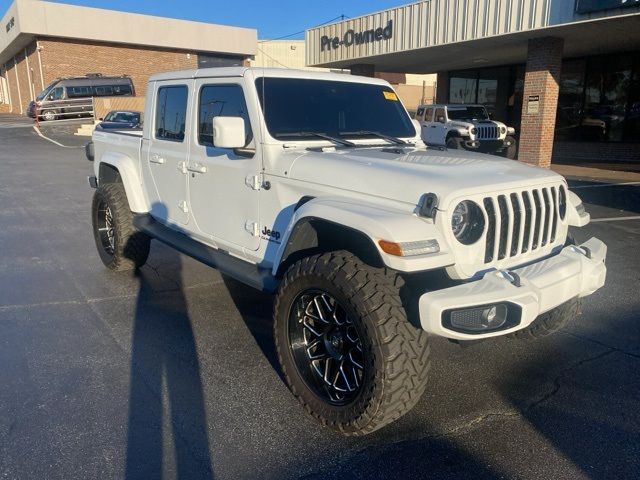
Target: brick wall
542, 77
28, 83
103, 105
61, 57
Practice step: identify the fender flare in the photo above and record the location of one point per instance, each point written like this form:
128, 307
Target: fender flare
128, 169
374, 222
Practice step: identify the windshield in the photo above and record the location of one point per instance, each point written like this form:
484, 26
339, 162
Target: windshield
44, 92
468, 113
127, 117
297, 108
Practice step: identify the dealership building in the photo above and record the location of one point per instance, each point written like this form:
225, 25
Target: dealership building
564, 73
41, 41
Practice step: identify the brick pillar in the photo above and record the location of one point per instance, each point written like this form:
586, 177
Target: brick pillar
540, 102
442, 88
363, 69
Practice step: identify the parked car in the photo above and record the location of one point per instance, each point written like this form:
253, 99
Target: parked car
72, 96
466, 126
318, 188
120, 120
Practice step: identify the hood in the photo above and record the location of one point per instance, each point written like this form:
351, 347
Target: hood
406, 175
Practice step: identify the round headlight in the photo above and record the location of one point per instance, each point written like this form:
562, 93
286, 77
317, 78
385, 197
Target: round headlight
467, 222
473, 131
562, 203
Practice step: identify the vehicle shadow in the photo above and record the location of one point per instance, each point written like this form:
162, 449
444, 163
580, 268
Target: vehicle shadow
165, 381
256, 310
619, 197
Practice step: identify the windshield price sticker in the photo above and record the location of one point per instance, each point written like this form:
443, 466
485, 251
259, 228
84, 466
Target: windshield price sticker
390, 96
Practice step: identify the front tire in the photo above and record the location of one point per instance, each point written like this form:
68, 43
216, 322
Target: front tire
119, 244
346, 348
454, 143
511, 151
49, 115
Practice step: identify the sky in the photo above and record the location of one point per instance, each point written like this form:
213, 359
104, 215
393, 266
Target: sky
272, 19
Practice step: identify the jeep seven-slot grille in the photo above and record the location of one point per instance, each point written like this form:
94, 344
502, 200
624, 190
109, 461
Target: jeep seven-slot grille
520, 222
487, 132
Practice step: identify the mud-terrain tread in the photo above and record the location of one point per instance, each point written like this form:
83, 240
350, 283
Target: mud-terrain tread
550, 322
132, 246
374, 295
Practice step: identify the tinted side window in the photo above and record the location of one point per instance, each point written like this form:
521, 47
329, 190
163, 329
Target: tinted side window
429, 115
103, 91
78, 92
171, 113
122, 90
56, 94
225, 101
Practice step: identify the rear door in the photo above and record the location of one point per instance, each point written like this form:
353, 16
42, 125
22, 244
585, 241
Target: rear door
224, 183
427, 123
166, 151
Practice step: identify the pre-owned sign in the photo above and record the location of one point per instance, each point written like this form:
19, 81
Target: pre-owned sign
587, 6
351, 37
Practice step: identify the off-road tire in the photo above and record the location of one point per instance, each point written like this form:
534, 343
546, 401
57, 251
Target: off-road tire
131, 247
511, 151
397, 353
454, 143
550, 322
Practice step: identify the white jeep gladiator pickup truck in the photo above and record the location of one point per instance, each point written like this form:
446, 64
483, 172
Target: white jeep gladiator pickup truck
466, 127
318, 188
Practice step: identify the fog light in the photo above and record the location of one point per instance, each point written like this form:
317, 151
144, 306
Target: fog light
478, 319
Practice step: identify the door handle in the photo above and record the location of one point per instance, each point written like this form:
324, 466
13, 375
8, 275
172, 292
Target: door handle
434, 126
197, 168
155, 158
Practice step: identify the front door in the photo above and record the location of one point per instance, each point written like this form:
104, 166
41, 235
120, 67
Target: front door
427, 123
166, 152
224, 183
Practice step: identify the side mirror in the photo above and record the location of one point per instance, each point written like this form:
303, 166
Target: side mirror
101, 119
441, 119
228, 132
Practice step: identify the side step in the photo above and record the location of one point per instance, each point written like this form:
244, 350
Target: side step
245, 272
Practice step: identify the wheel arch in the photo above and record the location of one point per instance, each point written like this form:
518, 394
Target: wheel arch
328, 224
115, 168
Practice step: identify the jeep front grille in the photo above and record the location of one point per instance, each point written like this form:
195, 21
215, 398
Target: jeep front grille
487, 132
521, 222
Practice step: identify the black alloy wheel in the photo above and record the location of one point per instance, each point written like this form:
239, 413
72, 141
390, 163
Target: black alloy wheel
326, 347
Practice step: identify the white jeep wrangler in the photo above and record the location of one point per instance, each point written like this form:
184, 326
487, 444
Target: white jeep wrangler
318, 188
466, 126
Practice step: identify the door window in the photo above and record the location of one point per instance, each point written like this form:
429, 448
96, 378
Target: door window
428, 115
221, 101
171, 113
56, 94
420, 113
440, 116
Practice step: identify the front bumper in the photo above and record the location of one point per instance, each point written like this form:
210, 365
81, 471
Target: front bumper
576, 271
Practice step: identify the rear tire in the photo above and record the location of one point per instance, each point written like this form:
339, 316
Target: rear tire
362, 300
119, 244
550, 322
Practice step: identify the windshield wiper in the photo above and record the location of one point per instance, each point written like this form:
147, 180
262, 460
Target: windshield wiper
389, 138
340, 141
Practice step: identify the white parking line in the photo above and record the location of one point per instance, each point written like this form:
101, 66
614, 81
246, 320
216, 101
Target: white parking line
601, 185
615, 219
51, 140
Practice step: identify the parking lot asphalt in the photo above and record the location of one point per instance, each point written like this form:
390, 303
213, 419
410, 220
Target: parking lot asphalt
172, 372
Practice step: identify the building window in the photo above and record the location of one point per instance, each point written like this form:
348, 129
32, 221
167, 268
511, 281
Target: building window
463, 87
206, 60
221, 101
171, 113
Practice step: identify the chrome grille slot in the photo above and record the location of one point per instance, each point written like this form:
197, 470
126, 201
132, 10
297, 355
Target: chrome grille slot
487, 132
491, 229
520, 222
504, 227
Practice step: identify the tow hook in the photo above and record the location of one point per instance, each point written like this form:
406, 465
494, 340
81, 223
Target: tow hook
512, 277
586, 251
